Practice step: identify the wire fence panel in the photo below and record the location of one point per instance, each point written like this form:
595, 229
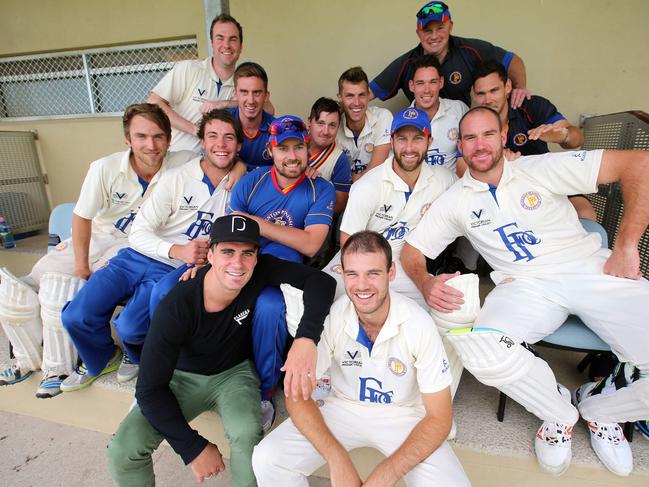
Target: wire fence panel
86, 82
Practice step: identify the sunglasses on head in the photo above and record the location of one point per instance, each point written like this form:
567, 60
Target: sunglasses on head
432, 8
287, 125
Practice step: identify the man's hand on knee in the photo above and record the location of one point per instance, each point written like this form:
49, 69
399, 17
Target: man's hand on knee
208, 463
624, 262
440, 296
300, 368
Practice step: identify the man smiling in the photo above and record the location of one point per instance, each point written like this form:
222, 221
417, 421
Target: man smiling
197, 358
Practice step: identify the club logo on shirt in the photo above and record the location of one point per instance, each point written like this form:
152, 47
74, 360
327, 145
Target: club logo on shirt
517, 241
455, 77
201, 95
119, 199
397, 367
358, 166
581, 155
445, 366
123, 223
478, 218
201, 92
396, 231
337, 268
372, 394
434, 158
531, 200
280, 217
384, 212
241, 316
424, 209
201, 226
520, 139
369, 147
453, 133
186, 204
351, 360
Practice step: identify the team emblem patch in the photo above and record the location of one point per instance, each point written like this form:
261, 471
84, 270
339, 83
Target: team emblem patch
410, 114
61, 245
455, 77
453, 133
396, 366
424, 209
281, 217
520, 139
337, 268
531, 200
369, 147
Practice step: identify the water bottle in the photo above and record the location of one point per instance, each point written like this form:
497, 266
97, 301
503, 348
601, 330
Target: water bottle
6, 236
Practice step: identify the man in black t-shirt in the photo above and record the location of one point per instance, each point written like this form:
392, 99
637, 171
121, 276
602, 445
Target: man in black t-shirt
197, 357
458, 57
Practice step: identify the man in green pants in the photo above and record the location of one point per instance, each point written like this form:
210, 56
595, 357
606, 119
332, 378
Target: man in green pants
197, 357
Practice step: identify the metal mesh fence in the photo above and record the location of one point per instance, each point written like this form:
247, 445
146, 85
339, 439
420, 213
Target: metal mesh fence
85, 82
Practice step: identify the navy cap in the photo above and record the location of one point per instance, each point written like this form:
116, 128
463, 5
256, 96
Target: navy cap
411, 117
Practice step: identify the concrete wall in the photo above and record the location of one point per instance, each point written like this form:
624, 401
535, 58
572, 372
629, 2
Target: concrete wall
587, 56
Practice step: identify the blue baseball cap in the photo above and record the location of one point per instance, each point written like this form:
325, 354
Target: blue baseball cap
287, 127
411, 117
432, 11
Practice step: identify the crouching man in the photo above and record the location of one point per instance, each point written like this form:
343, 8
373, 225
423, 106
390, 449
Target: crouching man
198, 357
390, 380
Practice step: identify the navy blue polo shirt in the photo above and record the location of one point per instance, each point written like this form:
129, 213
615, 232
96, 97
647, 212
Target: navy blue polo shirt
462, 59
253, 150
532, 113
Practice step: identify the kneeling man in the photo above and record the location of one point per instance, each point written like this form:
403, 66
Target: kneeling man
390, 380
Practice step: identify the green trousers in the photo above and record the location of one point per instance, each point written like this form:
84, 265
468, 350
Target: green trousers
233, 395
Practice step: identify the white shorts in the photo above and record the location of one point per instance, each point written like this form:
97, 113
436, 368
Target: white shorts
530, 308
402, 284
61, 259
354, 425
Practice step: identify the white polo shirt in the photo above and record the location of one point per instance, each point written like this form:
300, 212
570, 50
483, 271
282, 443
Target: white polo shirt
182, 208
524, 225
185, 88
444, 132
375, 132
406, 359
382, 202
112, 193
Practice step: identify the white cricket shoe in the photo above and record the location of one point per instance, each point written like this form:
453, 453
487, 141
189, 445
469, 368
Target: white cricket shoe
553, 447
611, 447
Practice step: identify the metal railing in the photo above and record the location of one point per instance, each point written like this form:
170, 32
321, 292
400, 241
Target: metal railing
617, 131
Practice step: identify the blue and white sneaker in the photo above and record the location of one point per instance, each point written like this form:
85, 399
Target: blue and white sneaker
80, 378
50, 385
13, 375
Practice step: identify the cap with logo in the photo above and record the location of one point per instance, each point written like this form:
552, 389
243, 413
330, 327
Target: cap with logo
411, 117
432, 11
235, 228
287, 127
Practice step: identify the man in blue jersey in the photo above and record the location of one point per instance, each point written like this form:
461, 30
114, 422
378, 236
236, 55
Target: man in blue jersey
294, 214
251, 93
458, 57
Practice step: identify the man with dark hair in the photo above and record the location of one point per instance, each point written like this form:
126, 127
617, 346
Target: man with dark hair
530, 127
546, 266
110, 197
191, 87
390, 381
458, 57
364, 132
326, 158
197, 357
171, 229
444, 114
251, 94
294, 214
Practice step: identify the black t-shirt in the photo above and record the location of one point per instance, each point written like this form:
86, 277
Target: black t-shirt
184, 336
462, 59
531, 114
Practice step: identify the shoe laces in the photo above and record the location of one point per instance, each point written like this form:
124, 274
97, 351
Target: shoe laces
126, 360
608, 432
81, 369
10, 371
558, 434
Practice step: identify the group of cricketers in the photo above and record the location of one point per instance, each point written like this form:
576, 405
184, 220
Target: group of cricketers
201, 230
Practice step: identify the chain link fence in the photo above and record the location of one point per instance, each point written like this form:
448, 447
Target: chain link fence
86, 82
